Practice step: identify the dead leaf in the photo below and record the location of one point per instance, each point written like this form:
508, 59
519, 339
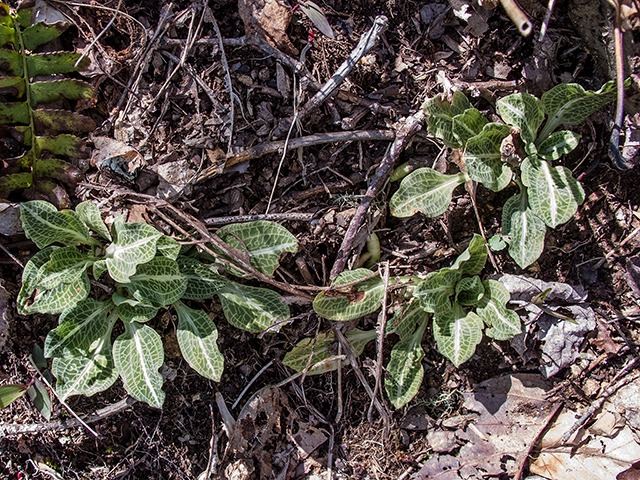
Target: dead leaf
604, 340
472, 13
10, 223
175, 179
5, 317
513, 411
562, 339
308, 439
633, 274
117, 157
268, 19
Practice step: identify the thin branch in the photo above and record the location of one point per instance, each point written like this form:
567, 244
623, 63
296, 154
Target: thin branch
409, 127
271, 217
225, 66
381, 328
518, 17
307, 141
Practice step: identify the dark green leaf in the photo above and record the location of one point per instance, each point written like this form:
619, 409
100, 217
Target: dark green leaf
40, 397
10, 393
317, 17
38, 34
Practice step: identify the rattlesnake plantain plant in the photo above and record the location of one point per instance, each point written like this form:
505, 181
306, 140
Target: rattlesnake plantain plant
31, 89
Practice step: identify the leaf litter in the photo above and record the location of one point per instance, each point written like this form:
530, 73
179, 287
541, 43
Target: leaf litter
456, 56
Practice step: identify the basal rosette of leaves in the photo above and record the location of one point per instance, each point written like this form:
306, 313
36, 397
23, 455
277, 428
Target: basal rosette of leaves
26, 115
149, 271
549, 195
462, 306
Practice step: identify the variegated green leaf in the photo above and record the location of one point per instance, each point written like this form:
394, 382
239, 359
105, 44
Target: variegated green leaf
45, 225
80, 327
558, 144
197, 335
251, 308
60, 298
133, 244
158, 283
484, 160
310, 351
138, 356
472, 260
67, 265
504, 323
30, 277
135, 312
203, 280
86, 375
469, 291
554, 195
523, 230
264, 242
425, 190
440, 116
99, 267
525, 112
405, 369
90, 215
404, 321
345, 306
457, 333
570, 104
435, 292
169, 247
468, 125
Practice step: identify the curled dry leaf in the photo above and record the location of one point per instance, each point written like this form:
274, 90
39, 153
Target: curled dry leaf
268, 20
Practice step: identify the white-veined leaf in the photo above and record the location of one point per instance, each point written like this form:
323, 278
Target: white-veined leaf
136, 312
33, 299
86, 375
483, 158
265, 242
320, 349
523, 230
404, 369
435, 291
197, 335
405, 319
554, 195
133, 244
317, 17
570, 104
45, 225
157, 283
138, 355
504, 323
99, 267
203, 280
90, 216
469, 291
425, 190
440, 115
468, 124
525, 112
66, 265
80, 327
168, 247
349, 305
558, 144
457, 333
252, 308
473, 259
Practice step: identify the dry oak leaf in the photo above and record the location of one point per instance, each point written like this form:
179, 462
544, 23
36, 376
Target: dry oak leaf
268, 20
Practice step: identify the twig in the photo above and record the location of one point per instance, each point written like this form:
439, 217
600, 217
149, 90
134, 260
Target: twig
11, 256
69, 409
225, 66
213, 448
95, 40
330, 454
595, 406
255, 377
340, 401
409, 127
228, 422
366, 43
547, 19
17, 429
307, 141
381, 328
354, 363
614, 141
271, 217
518, 17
